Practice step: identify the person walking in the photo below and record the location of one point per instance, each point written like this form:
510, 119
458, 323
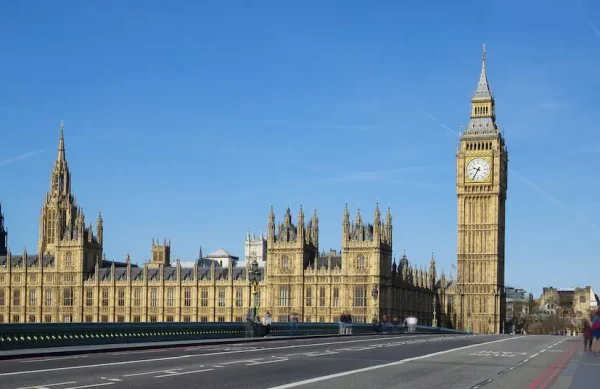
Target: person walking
587, 336
596, 333
267, 323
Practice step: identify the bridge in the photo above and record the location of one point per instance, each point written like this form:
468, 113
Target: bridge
212, 355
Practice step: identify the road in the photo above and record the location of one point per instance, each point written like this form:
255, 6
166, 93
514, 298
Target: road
417, 361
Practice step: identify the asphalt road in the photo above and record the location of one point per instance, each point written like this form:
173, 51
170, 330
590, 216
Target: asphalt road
420, 361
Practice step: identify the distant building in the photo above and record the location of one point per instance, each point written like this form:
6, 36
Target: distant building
516, 294
255, 248
223, 258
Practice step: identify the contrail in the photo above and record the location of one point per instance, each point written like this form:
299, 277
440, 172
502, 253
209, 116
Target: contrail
21, 157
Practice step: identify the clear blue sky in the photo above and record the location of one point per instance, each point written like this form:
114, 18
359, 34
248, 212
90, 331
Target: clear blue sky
188, 120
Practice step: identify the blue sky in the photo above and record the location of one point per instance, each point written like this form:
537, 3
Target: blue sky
188, 120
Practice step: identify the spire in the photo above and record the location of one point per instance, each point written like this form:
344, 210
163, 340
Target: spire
61, 143
483, 88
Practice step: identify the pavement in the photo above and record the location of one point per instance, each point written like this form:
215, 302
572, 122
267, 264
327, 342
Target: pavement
383, 361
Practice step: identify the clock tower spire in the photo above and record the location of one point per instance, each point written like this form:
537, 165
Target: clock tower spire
482, 163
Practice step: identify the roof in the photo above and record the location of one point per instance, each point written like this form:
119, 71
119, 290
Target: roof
221, 253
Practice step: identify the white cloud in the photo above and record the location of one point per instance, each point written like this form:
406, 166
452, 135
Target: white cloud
21, 157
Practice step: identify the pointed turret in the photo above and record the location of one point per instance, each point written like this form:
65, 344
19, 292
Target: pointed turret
61, 144
483, 87
346, 219
483, 117
3, 235
99, 228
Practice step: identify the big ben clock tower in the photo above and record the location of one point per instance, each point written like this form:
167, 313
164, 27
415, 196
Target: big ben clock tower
481, 183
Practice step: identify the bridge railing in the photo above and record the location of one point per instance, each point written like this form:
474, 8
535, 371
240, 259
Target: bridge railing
46, 335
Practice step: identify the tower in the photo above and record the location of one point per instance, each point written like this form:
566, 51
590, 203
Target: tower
3, 235
482, 162
161, 254
255, 248
63, 232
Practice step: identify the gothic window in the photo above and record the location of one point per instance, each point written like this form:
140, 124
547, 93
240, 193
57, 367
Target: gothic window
336, 297
48, 301
137, 297
16, 298
239, 297
153, 297
283, 296
68, 297
50, 227
285, 262
32, 298
1, 297
187, 297
89, 297
204, 297
61, 183
69, 260
360, 297
221, 297
121, 297
170, 297
360, 262
309, 296
105, 297
322, 296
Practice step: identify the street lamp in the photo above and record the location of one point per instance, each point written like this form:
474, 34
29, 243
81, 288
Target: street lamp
254, 276
434, 320
374, 294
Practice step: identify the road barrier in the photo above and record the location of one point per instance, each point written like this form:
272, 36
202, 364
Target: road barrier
45, 335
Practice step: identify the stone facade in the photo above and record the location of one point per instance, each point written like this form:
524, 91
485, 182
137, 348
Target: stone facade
69, 280
255, 248
481, 183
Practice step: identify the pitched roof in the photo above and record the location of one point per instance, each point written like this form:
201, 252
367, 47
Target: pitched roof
221, 253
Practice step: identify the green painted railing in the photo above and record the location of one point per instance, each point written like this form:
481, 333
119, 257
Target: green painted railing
42, 335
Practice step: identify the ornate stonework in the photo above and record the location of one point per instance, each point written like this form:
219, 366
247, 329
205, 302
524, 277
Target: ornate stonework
482, 164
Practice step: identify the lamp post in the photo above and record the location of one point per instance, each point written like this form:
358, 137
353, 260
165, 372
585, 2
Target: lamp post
434, 320
374, 294
254, 276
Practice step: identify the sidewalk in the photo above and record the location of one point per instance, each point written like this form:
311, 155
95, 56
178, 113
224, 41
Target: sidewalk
582, 372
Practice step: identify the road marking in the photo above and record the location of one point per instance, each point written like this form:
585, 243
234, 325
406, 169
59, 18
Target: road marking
370, 368
554, 370
534, 355
139, 352
111, 379
91, 386
191, 356
153, 372
182, 373
52, 359
48, 385
265, 362
234, 362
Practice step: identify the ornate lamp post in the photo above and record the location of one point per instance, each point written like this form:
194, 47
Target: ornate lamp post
254, 276
434, 321
374, 294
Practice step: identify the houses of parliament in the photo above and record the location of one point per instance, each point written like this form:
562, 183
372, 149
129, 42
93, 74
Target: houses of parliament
67, 279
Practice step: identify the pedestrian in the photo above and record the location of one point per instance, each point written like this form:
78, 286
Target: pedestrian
596, 333
587, 336
411, 323
267, 323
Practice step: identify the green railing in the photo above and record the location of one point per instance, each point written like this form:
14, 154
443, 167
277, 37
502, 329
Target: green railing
41, 335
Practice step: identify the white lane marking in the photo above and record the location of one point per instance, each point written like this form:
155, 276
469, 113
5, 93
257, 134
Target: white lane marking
111, 379
188, 356
52, 359
234, 362
182, 373
139, 352
396, 363
265, 362
91, 386
534, 355
154, 372
48, 385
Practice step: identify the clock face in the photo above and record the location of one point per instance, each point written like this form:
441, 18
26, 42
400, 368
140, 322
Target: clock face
478, 169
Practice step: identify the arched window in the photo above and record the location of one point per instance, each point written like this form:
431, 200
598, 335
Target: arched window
69, 260
360, 262
285, 262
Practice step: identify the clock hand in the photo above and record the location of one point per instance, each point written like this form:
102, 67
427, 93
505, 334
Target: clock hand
474, 174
